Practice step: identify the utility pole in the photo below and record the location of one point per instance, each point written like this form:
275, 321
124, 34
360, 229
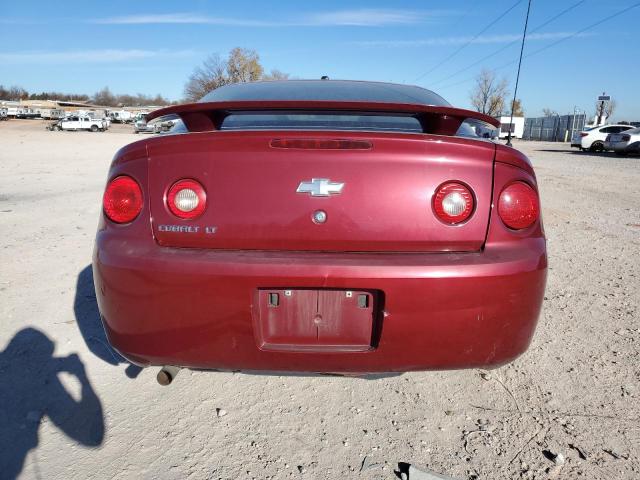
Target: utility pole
515, 90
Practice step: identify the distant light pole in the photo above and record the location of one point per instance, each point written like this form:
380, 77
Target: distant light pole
515, 90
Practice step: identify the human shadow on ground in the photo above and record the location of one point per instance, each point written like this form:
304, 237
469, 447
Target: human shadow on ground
31, 392
90, 325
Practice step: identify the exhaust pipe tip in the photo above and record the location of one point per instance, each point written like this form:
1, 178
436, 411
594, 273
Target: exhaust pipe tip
166, 375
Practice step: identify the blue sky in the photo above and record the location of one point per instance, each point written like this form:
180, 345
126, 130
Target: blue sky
152, 46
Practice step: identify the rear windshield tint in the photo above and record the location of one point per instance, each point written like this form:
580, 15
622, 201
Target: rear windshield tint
321, 121
325, 90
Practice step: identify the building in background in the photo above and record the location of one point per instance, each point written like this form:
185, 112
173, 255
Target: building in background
516, 126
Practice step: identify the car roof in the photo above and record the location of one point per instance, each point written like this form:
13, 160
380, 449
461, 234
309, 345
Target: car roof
326, 90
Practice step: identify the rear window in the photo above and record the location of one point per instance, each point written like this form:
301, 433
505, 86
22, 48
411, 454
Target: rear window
321, 121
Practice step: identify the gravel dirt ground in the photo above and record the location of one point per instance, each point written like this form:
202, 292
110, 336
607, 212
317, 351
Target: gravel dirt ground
71, 409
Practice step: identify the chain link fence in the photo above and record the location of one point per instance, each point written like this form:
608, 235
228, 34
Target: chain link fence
556, 128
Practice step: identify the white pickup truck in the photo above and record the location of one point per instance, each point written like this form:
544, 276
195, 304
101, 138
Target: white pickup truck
80, 122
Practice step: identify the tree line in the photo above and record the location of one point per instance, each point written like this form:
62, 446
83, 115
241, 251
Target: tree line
102, 97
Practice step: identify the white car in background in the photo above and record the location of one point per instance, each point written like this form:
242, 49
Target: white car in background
593, 138
625, 142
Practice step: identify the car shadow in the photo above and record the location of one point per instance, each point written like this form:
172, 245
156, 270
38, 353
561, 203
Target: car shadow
87, 315
31, 391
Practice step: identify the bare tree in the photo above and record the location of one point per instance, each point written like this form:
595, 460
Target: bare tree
242, 65
105, 97
211, 75
609, 107
489, 94
275, 75
547, 112
16, 93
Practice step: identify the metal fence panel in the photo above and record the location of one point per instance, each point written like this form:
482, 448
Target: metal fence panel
556, 128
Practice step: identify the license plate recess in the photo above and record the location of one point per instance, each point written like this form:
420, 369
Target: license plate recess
323, 320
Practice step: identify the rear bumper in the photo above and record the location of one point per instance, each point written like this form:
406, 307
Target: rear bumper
626, 147
193, 308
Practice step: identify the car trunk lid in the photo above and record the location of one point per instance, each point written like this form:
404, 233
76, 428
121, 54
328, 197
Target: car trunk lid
260, 192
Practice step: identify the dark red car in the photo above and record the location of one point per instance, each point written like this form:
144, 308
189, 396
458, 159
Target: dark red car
321, 226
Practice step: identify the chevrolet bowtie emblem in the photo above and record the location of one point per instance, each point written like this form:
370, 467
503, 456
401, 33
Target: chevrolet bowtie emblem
320, 187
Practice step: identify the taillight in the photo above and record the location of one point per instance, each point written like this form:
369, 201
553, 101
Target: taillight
122, 200
583, 134
453, 203
518, 206
625, 138
187, 199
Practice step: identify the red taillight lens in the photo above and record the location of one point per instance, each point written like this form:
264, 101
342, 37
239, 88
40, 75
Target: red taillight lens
518, 206
453, 203
625, 138
187, 199
583, 134
122, 200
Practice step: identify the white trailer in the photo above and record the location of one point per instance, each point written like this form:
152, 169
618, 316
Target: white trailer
27, 112
517, 127
51, 113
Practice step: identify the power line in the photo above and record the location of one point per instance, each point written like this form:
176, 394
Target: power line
510, 44
446, 59
535, 52
583, 30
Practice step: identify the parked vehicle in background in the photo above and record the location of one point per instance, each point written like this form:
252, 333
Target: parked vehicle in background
624, 143
320, 226
140, 125
27, 112
156, 126
79, 122
51, 113
121, 116
593, 138
166, 126
99, 115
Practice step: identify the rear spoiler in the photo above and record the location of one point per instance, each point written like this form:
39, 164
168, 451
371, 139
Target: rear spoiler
207, 116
